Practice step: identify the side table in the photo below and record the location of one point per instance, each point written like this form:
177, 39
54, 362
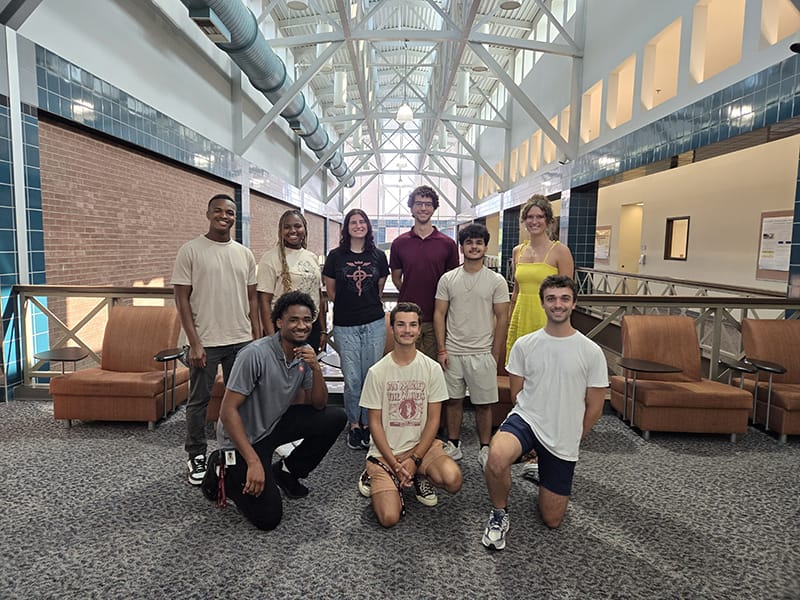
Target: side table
166, 356
71, 354
636, 366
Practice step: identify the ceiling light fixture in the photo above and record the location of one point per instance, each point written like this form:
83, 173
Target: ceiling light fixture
404, 113
510, 4
297, 4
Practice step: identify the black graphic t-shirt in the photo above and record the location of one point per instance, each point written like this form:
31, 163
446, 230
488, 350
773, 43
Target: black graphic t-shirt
357, 274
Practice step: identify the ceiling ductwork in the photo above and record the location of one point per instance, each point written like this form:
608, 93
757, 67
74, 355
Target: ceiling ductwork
249, 49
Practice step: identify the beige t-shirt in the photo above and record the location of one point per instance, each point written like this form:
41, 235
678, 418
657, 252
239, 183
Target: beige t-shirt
403, 394
303, 270
219, 273
470, 316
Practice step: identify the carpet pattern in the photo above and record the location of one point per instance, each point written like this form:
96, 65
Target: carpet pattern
103, 510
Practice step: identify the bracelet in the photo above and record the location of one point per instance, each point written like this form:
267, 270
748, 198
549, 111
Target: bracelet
442, 352
324, 333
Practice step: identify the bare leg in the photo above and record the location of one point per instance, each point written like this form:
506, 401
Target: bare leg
552, 507
503, 451
387, 507
444, 473
455, 412
483, 422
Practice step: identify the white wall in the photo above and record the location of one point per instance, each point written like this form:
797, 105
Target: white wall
724, 198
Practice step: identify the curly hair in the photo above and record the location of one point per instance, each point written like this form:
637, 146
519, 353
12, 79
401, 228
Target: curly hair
426, 192
288, 299
540, 202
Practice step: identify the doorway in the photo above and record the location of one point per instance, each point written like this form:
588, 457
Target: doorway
630, 241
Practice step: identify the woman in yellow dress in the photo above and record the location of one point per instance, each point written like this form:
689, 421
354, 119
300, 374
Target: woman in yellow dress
533, 260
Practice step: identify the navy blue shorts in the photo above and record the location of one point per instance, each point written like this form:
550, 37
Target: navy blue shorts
555, 473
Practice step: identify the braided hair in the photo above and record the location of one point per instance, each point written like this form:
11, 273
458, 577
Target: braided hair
286, 278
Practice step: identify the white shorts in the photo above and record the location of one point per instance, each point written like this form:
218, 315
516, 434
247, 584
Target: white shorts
478, 372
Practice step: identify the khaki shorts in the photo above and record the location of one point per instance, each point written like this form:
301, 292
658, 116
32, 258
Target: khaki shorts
380, 480
478, 372
426, 342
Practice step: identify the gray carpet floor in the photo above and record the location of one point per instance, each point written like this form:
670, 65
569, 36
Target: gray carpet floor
104, 511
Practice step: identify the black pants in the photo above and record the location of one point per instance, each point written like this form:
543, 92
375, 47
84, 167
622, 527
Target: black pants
319, 430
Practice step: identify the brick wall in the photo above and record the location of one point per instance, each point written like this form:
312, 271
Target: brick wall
113, 216
265, 212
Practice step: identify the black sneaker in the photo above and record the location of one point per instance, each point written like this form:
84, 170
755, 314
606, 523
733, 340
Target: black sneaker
197, 469
210, 485
365, 438
354, 439
290, 484
365, 484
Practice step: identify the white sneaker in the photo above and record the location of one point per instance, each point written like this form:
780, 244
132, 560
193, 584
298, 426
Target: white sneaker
424, 491
483, 456
453, 451
494, 536
286, 449
365, 484
530, 471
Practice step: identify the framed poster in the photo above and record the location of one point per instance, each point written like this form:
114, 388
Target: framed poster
602, 245
774, 245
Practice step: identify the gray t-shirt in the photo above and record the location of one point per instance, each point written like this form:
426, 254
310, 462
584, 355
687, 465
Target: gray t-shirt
270, 383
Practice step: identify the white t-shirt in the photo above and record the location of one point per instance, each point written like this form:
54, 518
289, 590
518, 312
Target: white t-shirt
219, 273
303, 271
557, 371
470, 316
403, 393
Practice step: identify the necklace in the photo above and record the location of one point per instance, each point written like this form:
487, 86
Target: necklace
465, 276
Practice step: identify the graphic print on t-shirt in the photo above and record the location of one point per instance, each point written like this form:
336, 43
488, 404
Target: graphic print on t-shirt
355, 270
406, 400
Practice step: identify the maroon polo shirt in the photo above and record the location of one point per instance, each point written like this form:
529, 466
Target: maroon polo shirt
423, 262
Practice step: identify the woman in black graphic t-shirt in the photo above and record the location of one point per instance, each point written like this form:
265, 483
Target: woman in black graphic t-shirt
354, 275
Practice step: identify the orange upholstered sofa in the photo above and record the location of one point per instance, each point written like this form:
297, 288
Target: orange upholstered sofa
680, 402
129, 384
777, 342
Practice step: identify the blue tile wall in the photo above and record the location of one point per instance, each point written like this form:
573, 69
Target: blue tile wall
510, 239
582, 224
71, 92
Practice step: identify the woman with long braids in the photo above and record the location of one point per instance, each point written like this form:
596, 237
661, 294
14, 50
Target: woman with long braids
354, 276
290, 266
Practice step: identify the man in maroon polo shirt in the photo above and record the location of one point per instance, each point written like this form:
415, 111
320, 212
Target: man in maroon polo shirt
419, 258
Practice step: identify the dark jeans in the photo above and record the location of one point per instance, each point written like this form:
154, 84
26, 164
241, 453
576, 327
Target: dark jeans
319, 430
200, 383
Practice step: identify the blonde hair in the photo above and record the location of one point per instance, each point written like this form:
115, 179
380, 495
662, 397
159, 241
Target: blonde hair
286, 278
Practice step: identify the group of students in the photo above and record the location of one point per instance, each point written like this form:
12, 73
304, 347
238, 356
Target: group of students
449, 332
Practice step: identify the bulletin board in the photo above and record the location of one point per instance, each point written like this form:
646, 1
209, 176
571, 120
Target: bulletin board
602, 245
774, 245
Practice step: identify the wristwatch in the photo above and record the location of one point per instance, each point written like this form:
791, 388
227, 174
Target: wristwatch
417, 460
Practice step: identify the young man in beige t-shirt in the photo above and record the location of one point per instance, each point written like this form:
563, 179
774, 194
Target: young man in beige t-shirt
214, 279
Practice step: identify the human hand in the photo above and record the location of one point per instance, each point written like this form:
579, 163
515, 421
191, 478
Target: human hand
254, 483
197, 356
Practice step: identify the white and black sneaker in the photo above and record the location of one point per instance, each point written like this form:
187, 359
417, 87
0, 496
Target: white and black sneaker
424, 491
494, 536
197, 469
365, 484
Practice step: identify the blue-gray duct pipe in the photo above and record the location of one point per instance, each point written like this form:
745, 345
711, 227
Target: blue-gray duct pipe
267, 72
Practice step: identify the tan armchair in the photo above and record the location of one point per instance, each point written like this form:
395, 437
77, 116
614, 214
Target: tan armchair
129, 384
777, 342
681, 402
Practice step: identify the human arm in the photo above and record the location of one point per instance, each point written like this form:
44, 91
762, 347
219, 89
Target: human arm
322, 318
501, 312
197, 354
515, 383
265, 310
397, 278
440, 331
317, 394
255, 320
595, 398
564, 262
375, 420
234, 427
330, 287
515, 290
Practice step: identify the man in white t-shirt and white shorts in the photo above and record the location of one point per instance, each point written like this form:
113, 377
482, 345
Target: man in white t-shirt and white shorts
558, 377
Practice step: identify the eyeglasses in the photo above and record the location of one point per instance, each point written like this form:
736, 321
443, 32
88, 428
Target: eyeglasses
423, 204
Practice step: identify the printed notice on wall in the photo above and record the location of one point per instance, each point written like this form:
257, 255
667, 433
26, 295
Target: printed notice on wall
602, 244
775, 244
